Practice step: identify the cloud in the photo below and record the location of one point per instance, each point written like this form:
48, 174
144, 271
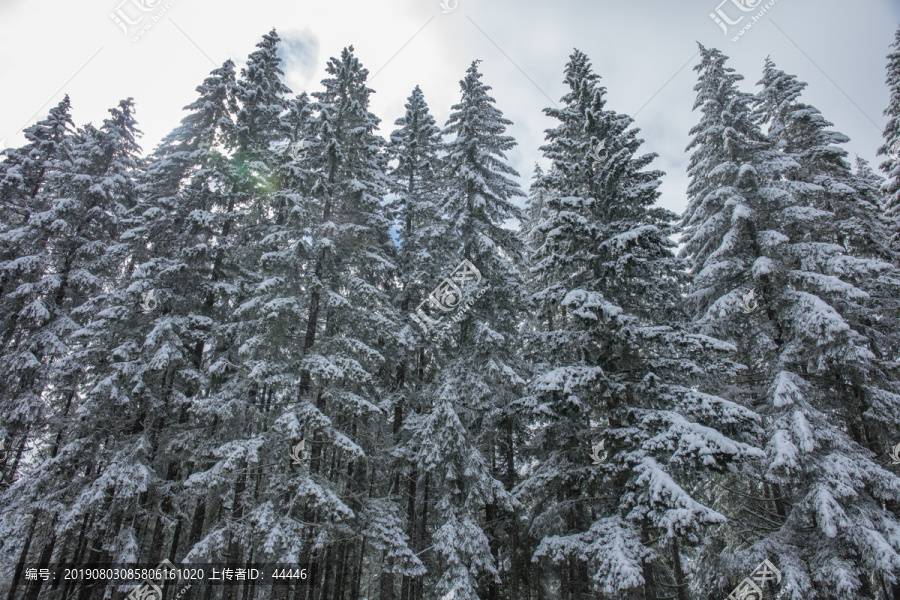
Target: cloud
299, 51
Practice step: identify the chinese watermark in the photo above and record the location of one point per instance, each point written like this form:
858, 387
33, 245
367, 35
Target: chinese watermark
595, 154
595, 452
298, 151
751, 587
446, 297
749, 303
152, 590
149, 304
139, 15
723, 20
299, 453
448, 5
895, 455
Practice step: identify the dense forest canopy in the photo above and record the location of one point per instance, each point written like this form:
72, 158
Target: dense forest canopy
292, 334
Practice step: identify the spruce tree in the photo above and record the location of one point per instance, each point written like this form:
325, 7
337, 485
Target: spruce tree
784, 240
424, 238
891, 147
26, 365
85, 202
462, 442
618, 378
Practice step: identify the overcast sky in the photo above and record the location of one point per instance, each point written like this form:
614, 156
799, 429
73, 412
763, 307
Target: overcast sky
644, 50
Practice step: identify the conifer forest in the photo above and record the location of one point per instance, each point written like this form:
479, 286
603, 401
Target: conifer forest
360, 357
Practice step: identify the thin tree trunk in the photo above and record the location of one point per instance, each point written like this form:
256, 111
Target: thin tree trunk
79, 551
237, 513
357, 581
314, 297
681, 590
649, 575
423, 528
55, 447
11, 471
165, 507
197, 522
406, 586
386, 592
46, 554
17, 575
326, 575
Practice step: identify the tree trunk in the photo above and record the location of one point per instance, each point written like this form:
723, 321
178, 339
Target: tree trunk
76, 556
387, 580
406, 586
46, 554
649, 581
681, 590
165, 508
357, 581
197, 522
17, 575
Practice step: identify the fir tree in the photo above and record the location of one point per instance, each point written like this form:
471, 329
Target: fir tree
785, 213
891, 147
87, 197
424, 238
471, 423
23, 175
616, 373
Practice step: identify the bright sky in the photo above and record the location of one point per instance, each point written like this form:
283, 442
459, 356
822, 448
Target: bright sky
643, 50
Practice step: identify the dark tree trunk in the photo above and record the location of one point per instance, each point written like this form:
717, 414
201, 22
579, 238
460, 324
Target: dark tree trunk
46, 554
406, 590
17, 574
165, 508
423, 528
326, 575
79, 551
55, 447
357, 579
237, 512
681, 590
197, 522
8, 474
649, 580
490, 514
386, 591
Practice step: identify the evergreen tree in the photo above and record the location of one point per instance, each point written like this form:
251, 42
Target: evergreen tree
87, 197
784, 212
425, 240
891, 147
616, 372
465, 443
26, 364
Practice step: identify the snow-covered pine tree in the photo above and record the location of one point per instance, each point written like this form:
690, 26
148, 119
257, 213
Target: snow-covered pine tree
464, 444
535, 210
425, 240
85, 200
780, 236
354, 360
160, 318
229, 481
416, 181
24, 373
891, 147
614, 367
24, 170
871, 180
343, 351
